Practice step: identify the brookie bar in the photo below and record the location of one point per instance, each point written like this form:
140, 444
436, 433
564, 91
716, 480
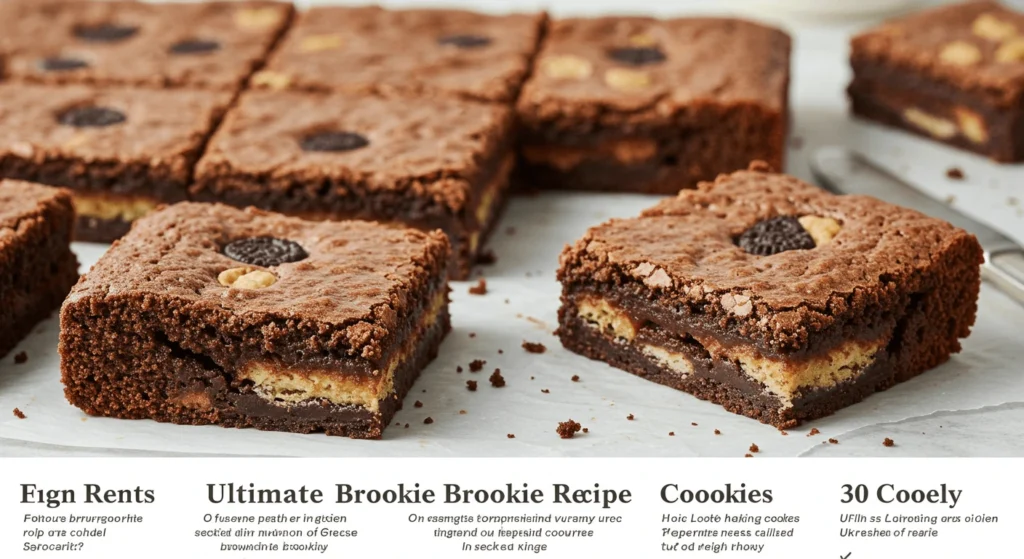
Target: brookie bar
770, 297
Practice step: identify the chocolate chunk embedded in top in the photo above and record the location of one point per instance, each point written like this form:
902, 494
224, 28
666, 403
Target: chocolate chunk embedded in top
194, 46
775, 235
465, 41
91, 117
62, 64
333, 141
105, 32
637, 56
265, 251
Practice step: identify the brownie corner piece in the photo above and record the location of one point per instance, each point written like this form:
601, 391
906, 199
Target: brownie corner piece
770, 297
37, 267
206, 314
646, 105
953, 74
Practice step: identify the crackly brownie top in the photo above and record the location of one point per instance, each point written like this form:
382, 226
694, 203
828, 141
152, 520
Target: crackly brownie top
209, 44
447, 52
22, 202
768, 254
625, 65
39, 123
352, 282
434, 147
975, 46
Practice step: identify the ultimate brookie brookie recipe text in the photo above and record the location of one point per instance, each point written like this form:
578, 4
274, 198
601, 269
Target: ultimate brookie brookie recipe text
288, 194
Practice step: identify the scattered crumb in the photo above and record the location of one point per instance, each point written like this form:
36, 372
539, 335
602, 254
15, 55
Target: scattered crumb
20, 358
486, 258
575, 378
510, 435
888, 442
955, 173
496, 379
783, 432
833, 441
428, 420
418, 404
693, 423
506, 301
748, 455
814, 431
586, 430
480, 288
630, 417
567, 429
531, 377
471, 385
472, 334
537, 321
19, 414
545, 391
462, 412
671, 433
534, 347
477, 365
458, 369
717, 432
754, 448
501, 351
406, 425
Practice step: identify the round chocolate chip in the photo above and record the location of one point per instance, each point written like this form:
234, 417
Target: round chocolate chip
465, 41
775, 235
333, 141
91, 117
194, 46
62, 64
637, 56
105, 32
264, 251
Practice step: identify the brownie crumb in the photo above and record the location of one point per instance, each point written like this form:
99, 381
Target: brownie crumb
477, 365
510, 435
19, 414
418, 404
671, 433
888, 442
472, 334
501, 351
406, 425
531, 377
568, 429
693, 423
630, 417
458, 369
463, 412
545, 391
496, 379
534, 347
717, 432
428, 420
586, 430
783, 432
754, 448
480, 288
20, 358
486, 258
833, 441
748, 455
575, 378
955, 173
471, 385
814, 431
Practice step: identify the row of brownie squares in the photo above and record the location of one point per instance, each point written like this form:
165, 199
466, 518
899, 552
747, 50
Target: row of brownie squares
207, 314
409, 115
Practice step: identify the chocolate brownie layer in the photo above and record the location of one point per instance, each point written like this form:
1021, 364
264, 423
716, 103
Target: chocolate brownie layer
953, 74
208, 314
208, 45
646, 105
773, 298
122, 151
407, 52
37, 267
433, 164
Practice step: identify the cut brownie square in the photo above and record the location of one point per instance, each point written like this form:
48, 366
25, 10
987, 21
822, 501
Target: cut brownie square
437, 163
430, 52
205, 314
646, 105
953, 74
121, 150
770, 297
207, 45
37, 267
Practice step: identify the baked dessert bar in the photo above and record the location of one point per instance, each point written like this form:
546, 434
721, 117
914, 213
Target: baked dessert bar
37, 267
213, 45
436, 163
647, 105
770, 297
122, 151
406, 52
206, 314
953, 74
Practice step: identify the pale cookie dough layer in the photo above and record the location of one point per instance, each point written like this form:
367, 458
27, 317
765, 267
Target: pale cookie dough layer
785, 379
288, 386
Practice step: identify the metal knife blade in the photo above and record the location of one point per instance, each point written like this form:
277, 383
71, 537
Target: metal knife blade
844, 171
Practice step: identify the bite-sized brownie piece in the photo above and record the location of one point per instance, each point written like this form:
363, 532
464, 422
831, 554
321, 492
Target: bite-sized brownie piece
122, 151
406, 52
954, 74
770, 297
206, 314
37, 267
437, 163
646, 105
208, 45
